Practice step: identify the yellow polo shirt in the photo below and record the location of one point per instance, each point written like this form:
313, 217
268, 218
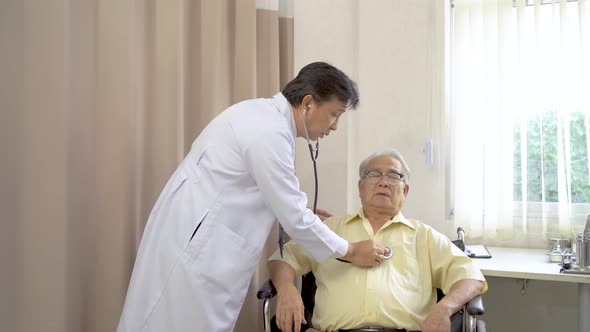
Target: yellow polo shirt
398, 293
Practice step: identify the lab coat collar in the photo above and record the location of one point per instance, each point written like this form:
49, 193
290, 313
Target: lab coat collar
399, 218
284, 108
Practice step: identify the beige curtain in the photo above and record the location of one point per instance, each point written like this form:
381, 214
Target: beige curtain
99, 101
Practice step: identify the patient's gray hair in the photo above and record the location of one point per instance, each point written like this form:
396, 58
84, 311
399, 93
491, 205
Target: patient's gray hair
387, 152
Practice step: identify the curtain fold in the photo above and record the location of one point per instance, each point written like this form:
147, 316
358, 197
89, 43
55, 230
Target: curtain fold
100, 100
519, 107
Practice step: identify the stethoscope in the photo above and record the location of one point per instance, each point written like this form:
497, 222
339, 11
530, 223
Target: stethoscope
314, 157
388, 250
388, 255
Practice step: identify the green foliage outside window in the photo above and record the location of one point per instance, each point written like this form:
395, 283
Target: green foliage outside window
542, 157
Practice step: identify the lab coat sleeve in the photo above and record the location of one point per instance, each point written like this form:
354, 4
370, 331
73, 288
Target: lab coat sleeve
270, 161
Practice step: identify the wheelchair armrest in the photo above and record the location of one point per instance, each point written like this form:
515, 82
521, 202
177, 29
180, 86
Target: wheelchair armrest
460, 244
475, 306
267, 291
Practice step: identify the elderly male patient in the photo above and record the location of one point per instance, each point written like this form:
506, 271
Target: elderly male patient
400, 292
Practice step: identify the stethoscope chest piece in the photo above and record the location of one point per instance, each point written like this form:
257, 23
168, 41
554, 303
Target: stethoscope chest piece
389, 253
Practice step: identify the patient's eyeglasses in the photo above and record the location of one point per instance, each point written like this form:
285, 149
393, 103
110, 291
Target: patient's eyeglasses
374, 176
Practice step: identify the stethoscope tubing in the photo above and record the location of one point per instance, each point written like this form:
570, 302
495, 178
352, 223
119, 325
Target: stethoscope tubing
389, 252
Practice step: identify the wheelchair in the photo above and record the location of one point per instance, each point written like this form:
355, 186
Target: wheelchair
465, 320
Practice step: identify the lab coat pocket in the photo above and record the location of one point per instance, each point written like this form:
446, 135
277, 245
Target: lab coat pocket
198, 221
226, 262
177, 182
190, 165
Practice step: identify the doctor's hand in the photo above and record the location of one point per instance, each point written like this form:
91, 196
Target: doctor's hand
365, 253
290, 310
323, 214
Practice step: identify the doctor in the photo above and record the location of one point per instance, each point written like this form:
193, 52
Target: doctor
205, 234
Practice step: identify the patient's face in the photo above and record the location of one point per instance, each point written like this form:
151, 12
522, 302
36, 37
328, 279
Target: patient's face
383, 196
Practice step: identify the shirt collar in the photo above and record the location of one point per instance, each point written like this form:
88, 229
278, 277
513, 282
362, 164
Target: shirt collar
399, 218
285, 109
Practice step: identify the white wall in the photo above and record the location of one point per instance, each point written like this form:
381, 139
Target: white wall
395, 50
401, 96
327, 31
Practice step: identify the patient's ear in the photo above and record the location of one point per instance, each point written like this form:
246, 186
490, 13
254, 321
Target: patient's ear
406, 189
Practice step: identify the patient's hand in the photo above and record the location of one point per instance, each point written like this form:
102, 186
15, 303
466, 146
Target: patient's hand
323, 214
438, 320
290, 309
439, 317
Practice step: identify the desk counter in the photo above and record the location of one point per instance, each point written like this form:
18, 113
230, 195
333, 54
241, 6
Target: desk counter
532, 264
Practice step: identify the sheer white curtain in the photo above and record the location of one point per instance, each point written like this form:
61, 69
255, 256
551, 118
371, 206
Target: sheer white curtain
519, 116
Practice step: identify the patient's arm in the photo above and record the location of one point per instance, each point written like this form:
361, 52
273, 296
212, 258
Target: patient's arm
461, 292
290, 308
323, 214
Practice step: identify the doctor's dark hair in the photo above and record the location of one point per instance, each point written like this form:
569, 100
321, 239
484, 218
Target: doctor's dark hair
393, 153
323, 81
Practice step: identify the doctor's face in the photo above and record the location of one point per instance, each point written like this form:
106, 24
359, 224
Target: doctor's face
386, 193
322, 118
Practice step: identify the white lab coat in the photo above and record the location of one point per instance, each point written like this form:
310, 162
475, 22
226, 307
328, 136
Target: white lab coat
235, 182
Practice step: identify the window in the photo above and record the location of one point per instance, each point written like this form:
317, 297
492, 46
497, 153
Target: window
520, 110
547, 133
